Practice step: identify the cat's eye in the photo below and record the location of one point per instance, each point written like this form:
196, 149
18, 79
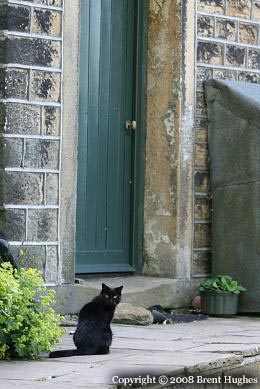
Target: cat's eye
114, 297
106, 296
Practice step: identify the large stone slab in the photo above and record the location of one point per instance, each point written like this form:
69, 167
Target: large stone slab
138, 290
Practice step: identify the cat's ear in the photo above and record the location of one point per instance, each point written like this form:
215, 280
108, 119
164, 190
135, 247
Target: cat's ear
105, 288
119, 289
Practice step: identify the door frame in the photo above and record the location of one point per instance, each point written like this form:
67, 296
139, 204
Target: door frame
136, 250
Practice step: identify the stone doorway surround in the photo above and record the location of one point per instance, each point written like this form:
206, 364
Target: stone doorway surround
168, 206
169, 140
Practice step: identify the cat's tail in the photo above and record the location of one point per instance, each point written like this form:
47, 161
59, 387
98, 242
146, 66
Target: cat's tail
64, 353
78, 351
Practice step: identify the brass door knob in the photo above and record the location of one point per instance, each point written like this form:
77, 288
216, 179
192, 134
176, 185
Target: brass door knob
130, 125
134, 125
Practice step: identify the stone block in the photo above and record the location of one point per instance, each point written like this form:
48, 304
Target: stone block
205, 26
248, 33
46, 22
34, 1
201, 264
52, 189
201, 129
202, 75
253, 59
224, 74
2, 52
226, 29
51, 266
42, 225
210, 52
11, 152
31, 51
14, 18
129, 314
202, 208
235, 56
202, 182
239, 8
141, 291
21, 188
256, 10
43, 2
2, 118
51, 121
13, 83
200, 103
202, 235
19, 119
201, 155
12, 224
212, 6
249, 77
2, 81
45, 86
41, 153
30, 256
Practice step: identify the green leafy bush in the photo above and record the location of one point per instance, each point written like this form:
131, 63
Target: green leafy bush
222, 284
28, 323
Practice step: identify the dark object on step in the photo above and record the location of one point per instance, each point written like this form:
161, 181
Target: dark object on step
160, 316
6, 254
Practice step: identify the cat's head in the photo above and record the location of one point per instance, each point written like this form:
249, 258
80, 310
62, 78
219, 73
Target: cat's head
111, 295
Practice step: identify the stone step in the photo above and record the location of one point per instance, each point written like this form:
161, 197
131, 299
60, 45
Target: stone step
138, 290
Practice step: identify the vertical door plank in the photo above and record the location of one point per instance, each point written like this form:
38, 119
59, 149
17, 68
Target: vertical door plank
93, 121
104, 114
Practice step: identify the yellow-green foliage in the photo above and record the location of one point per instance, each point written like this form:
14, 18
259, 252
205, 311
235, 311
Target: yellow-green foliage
28, 323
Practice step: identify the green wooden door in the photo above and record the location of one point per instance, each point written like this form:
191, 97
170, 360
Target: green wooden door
105, 147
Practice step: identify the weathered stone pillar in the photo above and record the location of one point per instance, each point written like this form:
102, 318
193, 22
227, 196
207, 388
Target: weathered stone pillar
169, 146
30, 129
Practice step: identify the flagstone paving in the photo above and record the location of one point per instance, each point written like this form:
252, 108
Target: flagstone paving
181, 350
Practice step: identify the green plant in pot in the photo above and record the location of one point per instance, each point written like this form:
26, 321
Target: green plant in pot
219, 296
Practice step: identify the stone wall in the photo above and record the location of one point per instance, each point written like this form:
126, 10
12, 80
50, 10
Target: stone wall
228, 38
30, 129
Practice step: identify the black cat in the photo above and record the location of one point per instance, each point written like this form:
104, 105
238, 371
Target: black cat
93, 334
